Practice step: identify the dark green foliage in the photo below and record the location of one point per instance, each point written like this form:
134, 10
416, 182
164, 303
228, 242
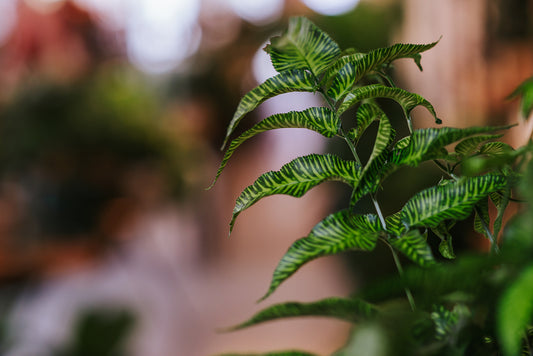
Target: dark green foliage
441, 305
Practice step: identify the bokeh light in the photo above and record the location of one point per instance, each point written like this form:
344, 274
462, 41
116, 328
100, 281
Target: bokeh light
331, 7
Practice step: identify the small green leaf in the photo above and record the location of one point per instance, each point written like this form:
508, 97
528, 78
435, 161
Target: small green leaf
296, 178
352, 310
407, 100
525, 90
318, 119
515, 311
348, 70
289, 81
446, 244
338, 232
302, 46
415, 247
455, 200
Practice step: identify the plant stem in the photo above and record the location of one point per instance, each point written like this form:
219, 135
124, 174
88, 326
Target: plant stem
350, 144
400, 272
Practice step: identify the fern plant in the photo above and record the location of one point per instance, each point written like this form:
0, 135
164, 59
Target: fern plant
469, 306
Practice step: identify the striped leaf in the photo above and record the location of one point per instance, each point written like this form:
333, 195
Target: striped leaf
352, 310
515, 311
302, 46
455, 200
289, 81
394, 224
415, 247
376, 168
471, 145
366, 114
501, 202
406, 99
495, 148
348, 70
319, 119
338, 232
296, 178
482, 218
426, 144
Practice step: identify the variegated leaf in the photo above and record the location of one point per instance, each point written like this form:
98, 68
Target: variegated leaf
338, 232
302, 46
456, 200
349, 70
407, 100
296, 178
395, 225
289, 81
482, 218
352, 310
501, 202
471, 145
426, 144
376, 168
415, 247
366, 114
319, 119
495, 148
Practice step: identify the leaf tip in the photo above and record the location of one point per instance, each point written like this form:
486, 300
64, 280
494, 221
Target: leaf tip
438, 121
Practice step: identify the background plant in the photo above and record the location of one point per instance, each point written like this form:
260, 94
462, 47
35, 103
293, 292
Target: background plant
479, 304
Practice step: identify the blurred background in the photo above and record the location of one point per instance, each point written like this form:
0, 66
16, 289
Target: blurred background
112, 113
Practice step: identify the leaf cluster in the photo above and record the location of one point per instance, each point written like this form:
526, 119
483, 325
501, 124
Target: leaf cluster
441, 305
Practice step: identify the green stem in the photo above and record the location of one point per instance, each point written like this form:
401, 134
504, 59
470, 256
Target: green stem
374, 200
400, 272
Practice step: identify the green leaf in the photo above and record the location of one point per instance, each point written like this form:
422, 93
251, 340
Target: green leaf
515, 311
302, 46
289, 81
376, 168
366, 114
455, 201
350, 69
407, 100
352, 310
426, 144
394, 224
318, 119
525, 90
446, 245
495, 148
483, 208
296, 178
471, 145
501, 203
338, 232
415, 247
